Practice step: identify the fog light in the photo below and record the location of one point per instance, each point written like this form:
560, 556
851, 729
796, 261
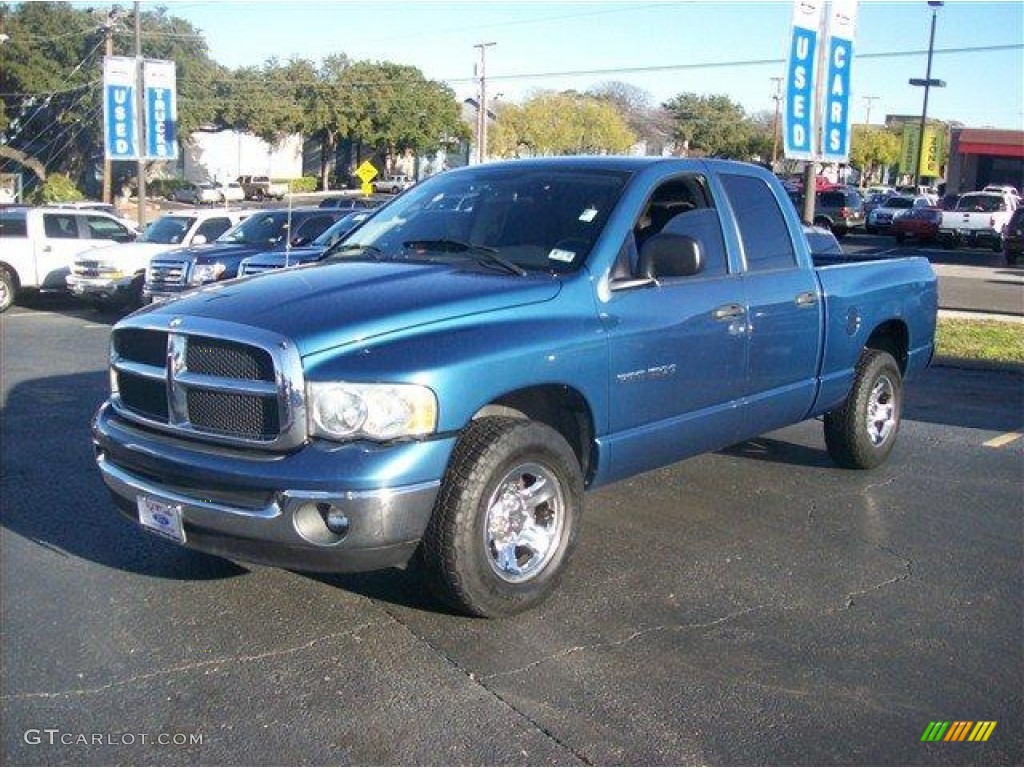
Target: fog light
335, 519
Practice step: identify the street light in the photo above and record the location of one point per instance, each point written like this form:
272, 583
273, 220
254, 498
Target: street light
928, 82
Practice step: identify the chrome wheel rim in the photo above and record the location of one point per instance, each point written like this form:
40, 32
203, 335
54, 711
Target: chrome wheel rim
524, 521
881, 416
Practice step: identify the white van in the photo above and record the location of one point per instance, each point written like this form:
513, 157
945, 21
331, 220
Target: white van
37, 246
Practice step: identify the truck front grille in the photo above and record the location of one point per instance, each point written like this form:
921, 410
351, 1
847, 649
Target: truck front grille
209, 381
166, 272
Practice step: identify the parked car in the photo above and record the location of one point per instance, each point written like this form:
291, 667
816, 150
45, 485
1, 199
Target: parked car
261, 188
347, 203
874, 200
393, 184
1013, 237
451, 383
840, 209
880, 219
315, 251
232, 192
172, 272
38, 246
200, 193
114, 276
922, 224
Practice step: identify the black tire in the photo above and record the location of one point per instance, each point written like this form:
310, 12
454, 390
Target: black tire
900, 237
861, 433
463, 561
7, 290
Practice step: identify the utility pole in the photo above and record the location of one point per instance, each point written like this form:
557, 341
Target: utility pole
775, 124
867, 107
140, 103
113, 17
481, 126
928, 83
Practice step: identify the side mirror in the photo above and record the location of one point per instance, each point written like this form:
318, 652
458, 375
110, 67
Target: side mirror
199, 240
669, 255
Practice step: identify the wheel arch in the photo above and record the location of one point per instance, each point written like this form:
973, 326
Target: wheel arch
893, 337
559, 406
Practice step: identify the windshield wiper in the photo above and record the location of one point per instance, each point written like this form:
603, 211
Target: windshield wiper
353, 249
482, 254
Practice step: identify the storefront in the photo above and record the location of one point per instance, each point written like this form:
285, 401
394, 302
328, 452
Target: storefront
980, 156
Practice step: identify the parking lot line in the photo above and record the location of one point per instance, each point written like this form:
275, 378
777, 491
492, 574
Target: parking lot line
1009, 437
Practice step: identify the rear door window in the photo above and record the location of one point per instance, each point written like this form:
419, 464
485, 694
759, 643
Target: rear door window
211, 229
60, 225
763, 229
102, 228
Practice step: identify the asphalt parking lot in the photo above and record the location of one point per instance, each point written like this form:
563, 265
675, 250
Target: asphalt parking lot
753, 606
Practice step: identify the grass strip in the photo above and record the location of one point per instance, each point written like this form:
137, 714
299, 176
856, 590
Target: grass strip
980, 340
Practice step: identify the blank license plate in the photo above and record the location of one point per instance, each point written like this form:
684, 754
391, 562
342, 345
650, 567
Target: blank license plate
161, 517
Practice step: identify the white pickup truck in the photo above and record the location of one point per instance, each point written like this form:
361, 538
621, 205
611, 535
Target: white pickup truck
261, 188
37, 246
114, 276
978, 219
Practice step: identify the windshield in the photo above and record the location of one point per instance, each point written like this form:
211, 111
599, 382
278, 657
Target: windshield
259, 229
899, 202
340, 228
505, 216
167, 230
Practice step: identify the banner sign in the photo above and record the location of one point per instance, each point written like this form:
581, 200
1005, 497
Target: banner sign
159, 88
120, 118
909, 149
841, 24
931, 152
800, 123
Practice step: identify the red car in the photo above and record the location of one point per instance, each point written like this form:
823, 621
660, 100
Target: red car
920, 223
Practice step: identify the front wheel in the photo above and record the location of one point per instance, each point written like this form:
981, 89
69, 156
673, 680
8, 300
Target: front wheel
506, 518
7, 289
861, 433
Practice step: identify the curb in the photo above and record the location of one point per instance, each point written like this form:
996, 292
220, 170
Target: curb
974, 364
964, 314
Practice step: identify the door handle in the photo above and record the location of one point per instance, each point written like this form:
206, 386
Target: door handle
807, 299
47, 248
729, 312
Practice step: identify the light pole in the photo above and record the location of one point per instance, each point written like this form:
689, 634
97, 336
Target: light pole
928, 82
867, 107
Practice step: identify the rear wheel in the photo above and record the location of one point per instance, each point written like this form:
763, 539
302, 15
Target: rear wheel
861, 433
506, 518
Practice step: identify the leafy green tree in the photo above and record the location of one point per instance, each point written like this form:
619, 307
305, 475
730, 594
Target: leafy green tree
712, 126
561, 124
57, 188
51, 78
873, 148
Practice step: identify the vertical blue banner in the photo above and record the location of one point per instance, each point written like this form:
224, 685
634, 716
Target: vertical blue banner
800, 123
836, 121
120, 118
159, 82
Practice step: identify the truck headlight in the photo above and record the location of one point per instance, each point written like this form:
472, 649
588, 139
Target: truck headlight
341, 410
205, 273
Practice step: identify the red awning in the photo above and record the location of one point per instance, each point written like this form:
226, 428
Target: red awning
998, 150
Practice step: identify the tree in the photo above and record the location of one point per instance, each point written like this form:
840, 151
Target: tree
561, 124
873, 148
52, 107
711, 125
651, 123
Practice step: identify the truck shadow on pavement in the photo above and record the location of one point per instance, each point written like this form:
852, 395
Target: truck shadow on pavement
51, 493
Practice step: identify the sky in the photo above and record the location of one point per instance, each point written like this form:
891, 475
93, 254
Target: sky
666, 48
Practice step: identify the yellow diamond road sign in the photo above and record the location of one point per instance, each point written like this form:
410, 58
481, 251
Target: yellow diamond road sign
366, 172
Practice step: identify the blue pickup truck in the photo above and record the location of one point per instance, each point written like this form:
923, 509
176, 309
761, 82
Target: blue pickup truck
446, 385
172, 272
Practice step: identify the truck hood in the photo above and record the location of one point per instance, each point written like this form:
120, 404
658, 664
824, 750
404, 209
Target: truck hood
208, 253
330, 305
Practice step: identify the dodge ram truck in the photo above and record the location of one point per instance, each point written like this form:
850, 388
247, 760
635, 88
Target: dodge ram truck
442, 390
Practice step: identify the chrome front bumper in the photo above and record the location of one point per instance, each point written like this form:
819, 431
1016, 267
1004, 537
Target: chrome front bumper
289, 530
